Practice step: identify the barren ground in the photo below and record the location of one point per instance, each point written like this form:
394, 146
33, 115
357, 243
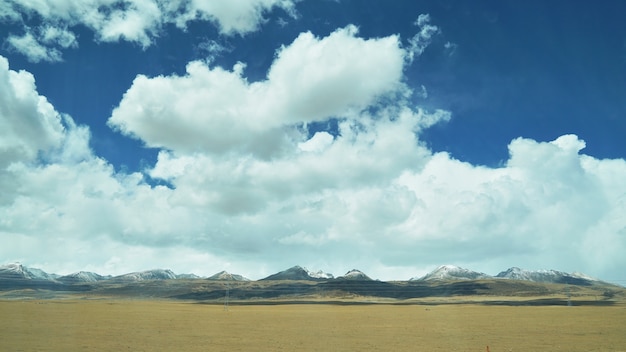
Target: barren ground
143, 325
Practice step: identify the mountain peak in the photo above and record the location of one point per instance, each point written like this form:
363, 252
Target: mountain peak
514, 273
546, 276
354, 274
13, 267
17, 270
226, 276
299, 273
451, 272
154, 274
81, 276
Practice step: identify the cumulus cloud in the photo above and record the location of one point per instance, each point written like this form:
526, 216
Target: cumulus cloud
34, 51
135, 21
234, 17
216, 110
58, 36
242, 184
314, 78
56, 195
255, 185
319, 142
43, 44
424, 209
29, 124
397, 200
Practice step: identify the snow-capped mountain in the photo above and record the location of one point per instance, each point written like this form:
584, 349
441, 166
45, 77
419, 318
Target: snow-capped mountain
299, 273
546, 276
320, 275
82, 276
226, 276
155, 274
451, 272
354, 274
19, 271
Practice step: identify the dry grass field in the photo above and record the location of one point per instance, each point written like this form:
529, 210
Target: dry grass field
141, 325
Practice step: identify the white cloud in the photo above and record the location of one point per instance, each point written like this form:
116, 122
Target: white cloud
29, 124
59, 36
34, 51
136, 21
214, 110
238, 184
542, 204
8, 13
450, 48
212, 49
420, 41
319, 142
253, 194
235, 16
43, 44
313, 78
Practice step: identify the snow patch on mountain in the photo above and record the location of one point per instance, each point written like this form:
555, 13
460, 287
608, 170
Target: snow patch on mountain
82, 276
451, 272
319, 274
546, 276
354, 274
299, 273
226, 276
19, 271
155, 274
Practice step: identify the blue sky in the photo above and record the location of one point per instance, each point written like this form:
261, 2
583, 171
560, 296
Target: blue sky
252, 136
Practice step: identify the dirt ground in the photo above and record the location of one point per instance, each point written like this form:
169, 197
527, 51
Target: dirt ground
137, 325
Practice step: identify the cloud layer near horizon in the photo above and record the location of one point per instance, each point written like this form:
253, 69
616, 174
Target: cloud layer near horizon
256, 185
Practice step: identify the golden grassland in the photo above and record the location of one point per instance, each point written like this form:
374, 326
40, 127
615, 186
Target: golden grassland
145, 325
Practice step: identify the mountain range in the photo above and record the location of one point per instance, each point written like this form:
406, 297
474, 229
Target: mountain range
17, 271
299, 284
451, 272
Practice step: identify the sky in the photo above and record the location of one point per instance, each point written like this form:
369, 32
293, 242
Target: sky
255, 135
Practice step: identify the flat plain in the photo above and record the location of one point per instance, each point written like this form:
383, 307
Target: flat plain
169, 325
